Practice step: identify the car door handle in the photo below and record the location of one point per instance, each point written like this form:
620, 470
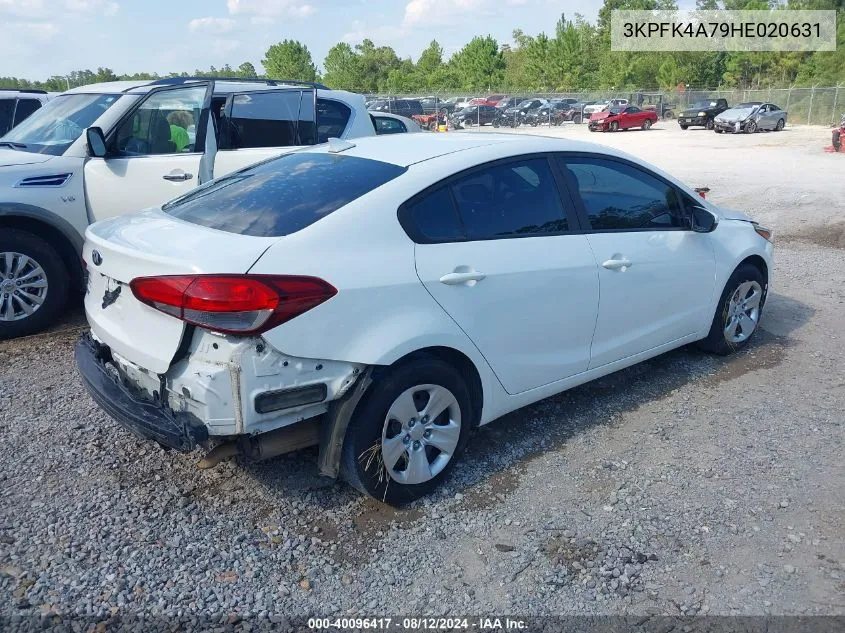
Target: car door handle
617, 264
454, 279
178, 176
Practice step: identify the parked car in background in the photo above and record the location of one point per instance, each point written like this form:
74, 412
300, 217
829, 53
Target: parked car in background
702, 113
473, 115
146, 142
404, 107
622, 118
491, 100
17, 105
432, 105
599, 106
524, 106
575, 112
549, 114
232, 326
508, 102
751, 117
388, 123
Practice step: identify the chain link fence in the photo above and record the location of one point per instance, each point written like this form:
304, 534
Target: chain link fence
808, 106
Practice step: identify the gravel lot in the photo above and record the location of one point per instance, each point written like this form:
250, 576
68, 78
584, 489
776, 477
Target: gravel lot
688, 484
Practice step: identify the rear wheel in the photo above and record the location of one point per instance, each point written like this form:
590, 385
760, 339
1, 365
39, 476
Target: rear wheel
779, 126
576, 119
647, 124
33, 283
684, 127
408, 431
738, 312
709, 125
718, 131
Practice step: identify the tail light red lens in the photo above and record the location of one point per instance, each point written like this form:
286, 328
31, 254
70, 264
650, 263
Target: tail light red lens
233, 304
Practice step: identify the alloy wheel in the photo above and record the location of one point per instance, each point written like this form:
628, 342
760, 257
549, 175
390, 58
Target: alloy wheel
23, 286
743, 312
420, 435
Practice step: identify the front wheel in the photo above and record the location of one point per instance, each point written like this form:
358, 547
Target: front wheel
408, 431
684, 127
738, 313
710, 124
577, 119
750, 127
614, 126
33, 283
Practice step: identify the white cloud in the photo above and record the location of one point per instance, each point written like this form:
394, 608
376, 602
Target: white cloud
212, 25
439, 12
304, 11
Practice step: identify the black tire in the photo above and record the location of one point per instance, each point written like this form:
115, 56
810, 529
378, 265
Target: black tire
496, 123
837, 140
614, 126
647, 124
718, 131
58, 282
716, 342
779, 126
710, 124
576, 119
365, 429
750, 127
684, 127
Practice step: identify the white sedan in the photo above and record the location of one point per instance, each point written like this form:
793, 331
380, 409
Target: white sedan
384, 297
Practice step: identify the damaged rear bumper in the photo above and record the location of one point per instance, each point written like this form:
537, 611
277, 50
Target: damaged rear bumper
139, 414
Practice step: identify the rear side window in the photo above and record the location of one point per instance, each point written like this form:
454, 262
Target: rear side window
510, 199
271, 119
386, 125
282, 195
617, 196
7, 111
434, 217
25, 108
332, 117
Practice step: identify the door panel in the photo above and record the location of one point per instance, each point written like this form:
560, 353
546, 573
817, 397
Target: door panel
155, 153
532, 315
116, 186
663, 295
656, 276
508, 271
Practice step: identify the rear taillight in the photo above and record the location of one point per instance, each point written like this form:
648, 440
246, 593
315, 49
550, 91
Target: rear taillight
233, 304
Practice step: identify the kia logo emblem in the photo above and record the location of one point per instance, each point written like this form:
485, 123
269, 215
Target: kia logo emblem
96, 258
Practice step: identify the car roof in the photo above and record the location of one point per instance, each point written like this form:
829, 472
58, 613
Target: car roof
221, 85
408, 149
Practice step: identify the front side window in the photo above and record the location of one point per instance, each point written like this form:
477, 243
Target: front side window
510, 199
54, 128
165, 123
25, 108
282, 195
617, 196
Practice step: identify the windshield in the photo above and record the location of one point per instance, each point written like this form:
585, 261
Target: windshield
704, 104
282, 195
526, 103
747, 106
53, 128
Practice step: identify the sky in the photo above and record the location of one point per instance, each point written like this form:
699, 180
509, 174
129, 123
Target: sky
40, 38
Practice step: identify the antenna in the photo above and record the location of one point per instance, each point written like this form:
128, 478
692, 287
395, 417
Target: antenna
337, 145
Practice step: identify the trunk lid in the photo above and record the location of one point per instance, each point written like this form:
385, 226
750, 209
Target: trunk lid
147, 244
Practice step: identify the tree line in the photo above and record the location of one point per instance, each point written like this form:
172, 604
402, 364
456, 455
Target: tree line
576, 56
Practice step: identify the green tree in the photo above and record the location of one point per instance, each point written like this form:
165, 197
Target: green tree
341, 67
289, 59
247, 70
480, 64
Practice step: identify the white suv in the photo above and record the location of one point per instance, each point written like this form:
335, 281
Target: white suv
109, 149
17, 105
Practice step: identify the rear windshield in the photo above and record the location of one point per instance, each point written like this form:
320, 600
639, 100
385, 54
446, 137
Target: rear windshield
282, 195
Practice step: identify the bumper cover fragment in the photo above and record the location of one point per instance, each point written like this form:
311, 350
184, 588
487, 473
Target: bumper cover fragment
144, 417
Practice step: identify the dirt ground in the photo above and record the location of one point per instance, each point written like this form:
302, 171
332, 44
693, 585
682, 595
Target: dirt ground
686, 485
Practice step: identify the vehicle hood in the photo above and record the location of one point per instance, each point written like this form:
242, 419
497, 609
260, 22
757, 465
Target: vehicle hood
732, 214
600, 116
10, 157
736, 114
693, 112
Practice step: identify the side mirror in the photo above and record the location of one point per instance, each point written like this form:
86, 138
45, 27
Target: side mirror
703, 221
96, 142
